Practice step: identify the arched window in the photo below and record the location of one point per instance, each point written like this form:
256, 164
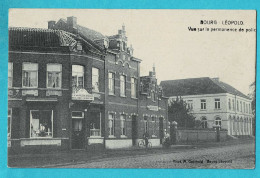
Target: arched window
204, 123
218, 121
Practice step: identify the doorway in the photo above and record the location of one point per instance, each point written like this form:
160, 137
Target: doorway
77, 134
134, 130
161, 134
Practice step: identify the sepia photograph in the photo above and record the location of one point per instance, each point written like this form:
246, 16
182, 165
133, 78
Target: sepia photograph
131, 88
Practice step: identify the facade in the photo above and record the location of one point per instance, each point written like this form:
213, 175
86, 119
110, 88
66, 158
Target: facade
70, 87
213, 103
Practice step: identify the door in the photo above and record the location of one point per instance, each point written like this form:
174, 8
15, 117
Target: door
134, 130
161, 135
77, 134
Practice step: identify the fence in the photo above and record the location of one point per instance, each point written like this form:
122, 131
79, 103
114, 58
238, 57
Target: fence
185, 135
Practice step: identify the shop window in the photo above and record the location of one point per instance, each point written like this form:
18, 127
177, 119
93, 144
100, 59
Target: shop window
217, 103
10, 74
145, 124
111, 83
54, 75
95, 124
203, 104
95, 79
30, 75
41, 123
77, 76
123, 124
9, 122
133, 87
111, 124
204, 123
218, 122
122, 85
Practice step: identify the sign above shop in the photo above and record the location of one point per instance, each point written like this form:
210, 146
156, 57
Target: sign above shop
82, 94
153, 108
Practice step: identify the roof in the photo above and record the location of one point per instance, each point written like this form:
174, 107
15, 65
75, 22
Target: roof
24, 36
198, 86
89, 33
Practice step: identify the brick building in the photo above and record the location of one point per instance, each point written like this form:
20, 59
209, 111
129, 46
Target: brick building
213, 102
70, 87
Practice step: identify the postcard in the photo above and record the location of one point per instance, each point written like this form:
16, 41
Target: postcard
128, 88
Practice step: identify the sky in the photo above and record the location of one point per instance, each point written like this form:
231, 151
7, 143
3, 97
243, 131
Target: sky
161, 37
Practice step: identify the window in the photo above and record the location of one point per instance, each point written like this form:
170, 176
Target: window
204, 123
237, 106
77, 114
145, 124
133, 87
123, 125
229, 104
54, 75
30, 75
111, 124
10, 74
153, 126
122, 85
250, 109
77, 120
240, 106
111, 83
190, 105
233, 104
95, 79
217, 103
41, 123
203, 104
218, 122
95, 124
9, 122
244, 107
153, 95
77, 76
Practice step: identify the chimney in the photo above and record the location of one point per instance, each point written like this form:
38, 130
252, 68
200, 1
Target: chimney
216, 78
154, 73
72, 22
150, 74
51, 24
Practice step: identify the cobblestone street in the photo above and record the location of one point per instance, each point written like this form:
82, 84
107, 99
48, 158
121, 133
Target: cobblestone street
232, 156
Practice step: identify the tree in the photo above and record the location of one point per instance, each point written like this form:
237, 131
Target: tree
179, 112
253, 104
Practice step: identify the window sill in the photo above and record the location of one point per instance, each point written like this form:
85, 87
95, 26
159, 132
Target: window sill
123, 136
123, 96
134, 98
96, 137
154, 136
111, 136
203, 109
110, 94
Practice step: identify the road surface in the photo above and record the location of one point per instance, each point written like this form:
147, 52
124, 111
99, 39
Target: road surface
232, 156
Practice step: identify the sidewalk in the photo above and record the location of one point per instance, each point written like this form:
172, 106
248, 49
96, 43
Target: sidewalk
56, 159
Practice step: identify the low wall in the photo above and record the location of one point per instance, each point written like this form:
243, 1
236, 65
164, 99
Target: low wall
199, 135
37, 145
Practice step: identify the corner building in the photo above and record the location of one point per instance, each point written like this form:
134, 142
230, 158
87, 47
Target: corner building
70, 87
